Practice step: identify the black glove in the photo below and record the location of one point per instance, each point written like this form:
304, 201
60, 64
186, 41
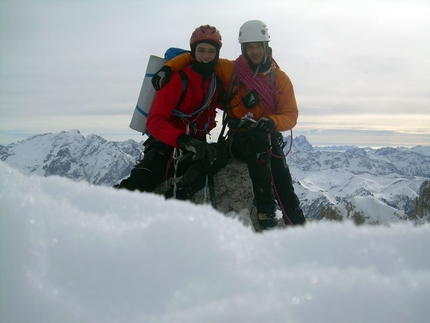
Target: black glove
162, 77
265, 124
201, 149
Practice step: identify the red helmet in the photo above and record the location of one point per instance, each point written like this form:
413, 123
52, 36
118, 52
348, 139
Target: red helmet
207, 32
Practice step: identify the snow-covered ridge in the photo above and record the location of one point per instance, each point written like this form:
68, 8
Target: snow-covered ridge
347, 180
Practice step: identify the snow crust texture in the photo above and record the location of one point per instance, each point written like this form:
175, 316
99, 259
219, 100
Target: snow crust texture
75, 252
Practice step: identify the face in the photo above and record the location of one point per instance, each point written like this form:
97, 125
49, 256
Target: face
255, 52
205, 53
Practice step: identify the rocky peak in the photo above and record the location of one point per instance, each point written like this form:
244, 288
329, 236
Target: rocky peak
422, 202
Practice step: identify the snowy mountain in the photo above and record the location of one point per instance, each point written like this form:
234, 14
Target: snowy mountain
367, 185
71, 155
388, 179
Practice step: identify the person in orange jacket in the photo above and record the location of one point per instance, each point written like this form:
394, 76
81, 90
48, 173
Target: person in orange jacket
256, 85
179, 120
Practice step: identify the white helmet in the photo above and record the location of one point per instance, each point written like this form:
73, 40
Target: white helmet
253, 31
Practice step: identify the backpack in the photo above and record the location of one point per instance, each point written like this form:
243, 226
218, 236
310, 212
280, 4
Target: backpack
172, 52
147, 92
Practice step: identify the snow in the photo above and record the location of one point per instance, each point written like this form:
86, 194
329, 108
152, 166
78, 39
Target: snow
73, 252
28, 155
373, 208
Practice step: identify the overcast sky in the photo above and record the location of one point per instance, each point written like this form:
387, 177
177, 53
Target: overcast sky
360, 69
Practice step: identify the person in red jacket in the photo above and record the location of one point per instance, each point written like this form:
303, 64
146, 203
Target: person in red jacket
178, 122
257, 87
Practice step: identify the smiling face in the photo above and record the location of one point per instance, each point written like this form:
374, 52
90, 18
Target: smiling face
255, 52
205, 53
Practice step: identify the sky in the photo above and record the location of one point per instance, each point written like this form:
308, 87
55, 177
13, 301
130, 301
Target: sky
359, 68
73, 252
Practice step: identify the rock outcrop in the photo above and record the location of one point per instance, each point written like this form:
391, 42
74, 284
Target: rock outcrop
422, 202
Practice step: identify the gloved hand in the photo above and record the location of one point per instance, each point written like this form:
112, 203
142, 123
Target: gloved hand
201, 149
265, 124
162, 77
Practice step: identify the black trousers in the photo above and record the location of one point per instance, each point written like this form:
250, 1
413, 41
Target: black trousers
284, 189
253, 147
157, 166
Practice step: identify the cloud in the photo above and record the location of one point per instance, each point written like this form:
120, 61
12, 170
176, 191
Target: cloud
347, 60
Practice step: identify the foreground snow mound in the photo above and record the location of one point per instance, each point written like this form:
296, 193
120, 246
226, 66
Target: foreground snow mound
71, 252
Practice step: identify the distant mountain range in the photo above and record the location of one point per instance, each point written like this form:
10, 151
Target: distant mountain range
366, 185
70, 154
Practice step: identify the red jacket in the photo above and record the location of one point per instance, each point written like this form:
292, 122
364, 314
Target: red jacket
167, 127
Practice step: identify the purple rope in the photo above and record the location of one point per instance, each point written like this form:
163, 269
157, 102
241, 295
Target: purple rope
263, 85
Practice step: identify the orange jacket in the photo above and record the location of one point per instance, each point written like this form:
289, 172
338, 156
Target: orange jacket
287, 111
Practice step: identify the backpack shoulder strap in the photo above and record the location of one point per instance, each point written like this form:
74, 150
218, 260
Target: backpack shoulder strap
184, 79
273, 74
